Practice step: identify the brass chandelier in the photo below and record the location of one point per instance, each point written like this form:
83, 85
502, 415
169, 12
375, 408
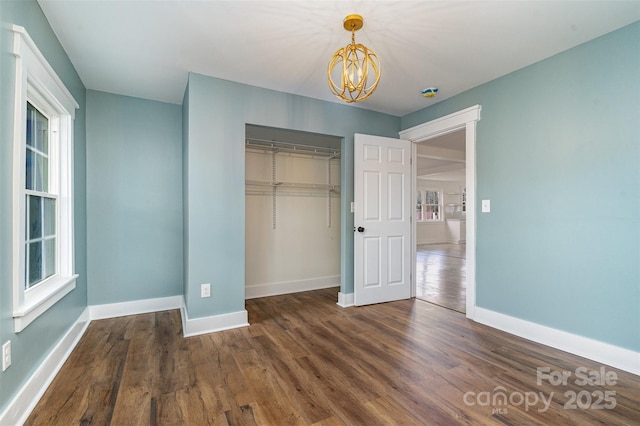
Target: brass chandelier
356, 66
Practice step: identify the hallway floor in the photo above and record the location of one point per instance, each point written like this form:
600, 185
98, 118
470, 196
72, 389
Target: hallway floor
441, 275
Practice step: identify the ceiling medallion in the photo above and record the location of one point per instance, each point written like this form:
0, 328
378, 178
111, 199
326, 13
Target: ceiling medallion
354, 71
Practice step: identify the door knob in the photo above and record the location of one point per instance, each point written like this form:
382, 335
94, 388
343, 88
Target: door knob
360, 229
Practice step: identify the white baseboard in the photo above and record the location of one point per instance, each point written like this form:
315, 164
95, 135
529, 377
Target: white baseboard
429, 242
274, 289
28, 396
614, 356
197, 326
345, 299
113, 310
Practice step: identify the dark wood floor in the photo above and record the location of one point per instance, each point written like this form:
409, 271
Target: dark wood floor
305, 361
441, 275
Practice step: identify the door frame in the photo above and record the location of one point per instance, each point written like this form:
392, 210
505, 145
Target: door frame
463, 119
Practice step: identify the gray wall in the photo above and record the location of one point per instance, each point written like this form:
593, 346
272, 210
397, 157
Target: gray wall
134, 198
215, 236
558, 155
34, 343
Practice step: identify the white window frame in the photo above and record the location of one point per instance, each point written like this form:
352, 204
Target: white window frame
37, 82
423, 194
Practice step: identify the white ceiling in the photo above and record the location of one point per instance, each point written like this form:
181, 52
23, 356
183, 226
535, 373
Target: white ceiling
442, 158
146, 48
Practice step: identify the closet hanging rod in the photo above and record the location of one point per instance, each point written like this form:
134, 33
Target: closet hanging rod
291, 147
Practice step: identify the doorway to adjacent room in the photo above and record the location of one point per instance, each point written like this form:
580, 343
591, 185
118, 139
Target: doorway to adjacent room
441, 221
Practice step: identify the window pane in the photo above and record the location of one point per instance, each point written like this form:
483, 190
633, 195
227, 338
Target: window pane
42, 173
37, 129
431, 197
30, 169
42, 133
31, 118
49, 217
37, 161
34, 268
50, 257
37, 171
431, 212
35, 217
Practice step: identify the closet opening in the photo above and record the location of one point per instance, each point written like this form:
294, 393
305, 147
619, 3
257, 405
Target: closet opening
292, 229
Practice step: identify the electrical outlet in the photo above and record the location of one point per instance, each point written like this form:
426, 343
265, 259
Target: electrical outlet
205, 290
6, 355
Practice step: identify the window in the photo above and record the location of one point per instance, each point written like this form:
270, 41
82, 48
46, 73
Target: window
428, 205
40, 240
42, 180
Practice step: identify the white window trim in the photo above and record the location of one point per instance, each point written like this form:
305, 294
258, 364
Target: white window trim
37, 81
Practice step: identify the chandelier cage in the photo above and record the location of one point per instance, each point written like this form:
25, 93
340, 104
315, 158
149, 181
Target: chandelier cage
355, 67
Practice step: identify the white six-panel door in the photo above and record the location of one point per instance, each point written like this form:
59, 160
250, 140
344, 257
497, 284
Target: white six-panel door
382, 219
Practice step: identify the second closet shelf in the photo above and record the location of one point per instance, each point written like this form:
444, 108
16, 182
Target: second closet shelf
283, 184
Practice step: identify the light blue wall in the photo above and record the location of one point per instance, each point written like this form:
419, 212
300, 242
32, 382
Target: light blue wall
31, 346
558, 154
134, 198
217, 113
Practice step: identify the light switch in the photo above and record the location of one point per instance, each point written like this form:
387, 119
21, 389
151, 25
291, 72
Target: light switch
486, 206
205, 290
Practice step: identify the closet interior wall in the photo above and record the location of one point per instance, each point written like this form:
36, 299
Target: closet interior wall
292, 217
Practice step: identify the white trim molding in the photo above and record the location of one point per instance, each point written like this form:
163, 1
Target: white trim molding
614, 356
29, 56
36, 82
113, 310
28, 396
345, 300
26, 314
443, 125
204, 325
464, 119
287, 287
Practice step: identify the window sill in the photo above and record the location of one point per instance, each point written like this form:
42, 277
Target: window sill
34, 307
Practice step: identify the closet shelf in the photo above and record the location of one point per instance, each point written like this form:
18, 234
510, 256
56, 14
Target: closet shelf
277, 147
281, 184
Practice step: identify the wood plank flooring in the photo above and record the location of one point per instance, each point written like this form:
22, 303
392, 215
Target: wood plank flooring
441, 275
306, 361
